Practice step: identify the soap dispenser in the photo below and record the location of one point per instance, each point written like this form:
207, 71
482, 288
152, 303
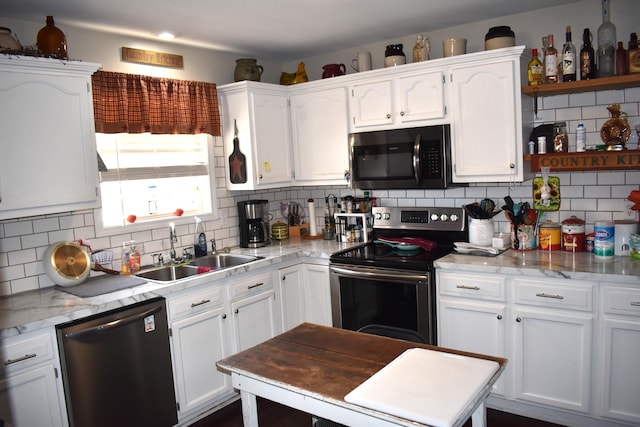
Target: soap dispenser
199, 240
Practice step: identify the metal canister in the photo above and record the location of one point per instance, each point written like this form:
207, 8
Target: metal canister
549, 236
573, 237
604, 245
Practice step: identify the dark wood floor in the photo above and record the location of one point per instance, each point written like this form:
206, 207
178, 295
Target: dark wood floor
272, 414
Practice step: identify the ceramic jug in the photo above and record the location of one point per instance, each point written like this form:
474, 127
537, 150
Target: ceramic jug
332, 70
616, 131
247, 69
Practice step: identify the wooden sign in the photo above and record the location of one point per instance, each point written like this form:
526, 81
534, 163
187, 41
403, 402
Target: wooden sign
150, 57
587, 161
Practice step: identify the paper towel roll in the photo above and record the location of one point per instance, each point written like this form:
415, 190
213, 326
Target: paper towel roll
312, 218
623, 228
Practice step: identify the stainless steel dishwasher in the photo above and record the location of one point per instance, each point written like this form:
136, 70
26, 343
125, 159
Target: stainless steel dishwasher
116, 368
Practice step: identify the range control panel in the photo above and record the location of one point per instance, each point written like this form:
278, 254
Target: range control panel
436, 218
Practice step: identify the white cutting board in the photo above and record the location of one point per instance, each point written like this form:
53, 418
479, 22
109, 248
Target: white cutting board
427, 386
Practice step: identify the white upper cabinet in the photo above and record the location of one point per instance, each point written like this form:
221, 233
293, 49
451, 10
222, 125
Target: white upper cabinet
486, 117
320, 131
405, 99
48, 160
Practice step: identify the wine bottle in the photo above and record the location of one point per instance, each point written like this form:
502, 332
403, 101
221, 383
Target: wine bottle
535, 70
587, 57
568, 59
606, 44
621, 60
634, 54
237, 161
551, 62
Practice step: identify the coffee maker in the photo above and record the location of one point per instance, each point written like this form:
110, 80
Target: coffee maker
254, 223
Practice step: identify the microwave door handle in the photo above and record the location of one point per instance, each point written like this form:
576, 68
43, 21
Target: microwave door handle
417, 169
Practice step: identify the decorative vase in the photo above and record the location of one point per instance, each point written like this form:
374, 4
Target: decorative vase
616, 131
7, 41
52, 41
247, 69
332, 70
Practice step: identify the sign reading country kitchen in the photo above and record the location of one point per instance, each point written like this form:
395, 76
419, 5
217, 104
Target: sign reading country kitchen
150, 57
611, 160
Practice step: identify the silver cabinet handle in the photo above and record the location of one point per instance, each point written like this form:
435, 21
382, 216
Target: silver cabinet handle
543, 295
196, 304
473, 288
19, 359
635, 303
255, 286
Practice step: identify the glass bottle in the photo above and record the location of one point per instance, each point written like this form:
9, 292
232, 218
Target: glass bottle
633, 61
535, 70
621, 60
568, 59
237, 161
551, 62
51, 40
587, 57
606, 44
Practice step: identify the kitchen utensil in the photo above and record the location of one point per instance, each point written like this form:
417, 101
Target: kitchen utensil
425, 244
66, 263
399, 245
470, 248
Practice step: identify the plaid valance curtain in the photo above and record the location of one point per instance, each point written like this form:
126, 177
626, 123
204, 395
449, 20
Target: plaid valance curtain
135, 104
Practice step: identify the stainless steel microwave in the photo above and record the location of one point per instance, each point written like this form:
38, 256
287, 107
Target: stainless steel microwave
401, 158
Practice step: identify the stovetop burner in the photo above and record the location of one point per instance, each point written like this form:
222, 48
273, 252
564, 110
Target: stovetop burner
440, 225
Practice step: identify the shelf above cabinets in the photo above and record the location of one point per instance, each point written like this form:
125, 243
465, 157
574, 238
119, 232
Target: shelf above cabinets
604, 83
591, 161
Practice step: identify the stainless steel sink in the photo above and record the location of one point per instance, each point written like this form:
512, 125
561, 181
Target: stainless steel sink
169, 273
224, 260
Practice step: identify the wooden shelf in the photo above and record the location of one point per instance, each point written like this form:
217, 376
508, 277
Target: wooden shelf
604, 83
589, 160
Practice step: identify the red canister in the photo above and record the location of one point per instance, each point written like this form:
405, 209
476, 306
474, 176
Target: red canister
573, 237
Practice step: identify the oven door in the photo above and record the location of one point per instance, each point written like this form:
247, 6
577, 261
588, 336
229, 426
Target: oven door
362, 296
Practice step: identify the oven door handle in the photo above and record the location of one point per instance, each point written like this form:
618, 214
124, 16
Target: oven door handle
417, 167
393, 276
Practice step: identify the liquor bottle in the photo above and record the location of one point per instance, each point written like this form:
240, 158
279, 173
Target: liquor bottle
606, 44
535, 70
587, 57
237, 161
568, 59
634, 54
551, 62
621, 60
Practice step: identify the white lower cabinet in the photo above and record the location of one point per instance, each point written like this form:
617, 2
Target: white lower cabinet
200, 336
305, 295
618, 364
30, 390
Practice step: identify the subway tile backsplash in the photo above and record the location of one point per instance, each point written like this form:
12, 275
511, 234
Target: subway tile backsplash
589, 195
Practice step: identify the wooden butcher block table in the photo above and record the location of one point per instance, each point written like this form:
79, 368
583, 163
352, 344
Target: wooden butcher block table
359, 379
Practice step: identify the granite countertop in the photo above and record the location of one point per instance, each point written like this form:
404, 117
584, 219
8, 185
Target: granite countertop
555, 264
33, 310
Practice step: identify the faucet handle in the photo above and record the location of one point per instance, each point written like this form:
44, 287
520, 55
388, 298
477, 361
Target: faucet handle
213, 246
186, 252
157, 259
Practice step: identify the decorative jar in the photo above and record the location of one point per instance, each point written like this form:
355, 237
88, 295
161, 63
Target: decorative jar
247, 69
616, 131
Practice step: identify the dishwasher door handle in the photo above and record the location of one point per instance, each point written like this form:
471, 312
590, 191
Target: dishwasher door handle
104, 327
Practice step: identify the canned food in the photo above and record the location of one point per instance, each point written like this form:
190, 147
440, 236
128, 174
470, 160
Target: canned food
589, 243
549, 236
573, 237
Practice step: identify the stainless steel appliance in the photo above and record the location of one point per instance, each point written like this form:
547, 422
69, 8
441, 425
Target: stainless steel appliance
401, 158
253, 218
377, 283
116, 368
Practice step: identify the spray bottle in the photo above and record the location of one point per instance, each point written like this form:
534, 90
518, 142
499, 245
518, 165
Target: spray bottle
199, 240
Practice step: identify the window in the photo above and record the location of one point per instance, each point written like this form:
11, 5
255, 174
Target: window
147, 178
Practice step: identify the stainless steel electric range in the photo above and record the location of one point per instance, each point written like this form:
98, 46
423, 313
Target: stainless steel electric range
390, 280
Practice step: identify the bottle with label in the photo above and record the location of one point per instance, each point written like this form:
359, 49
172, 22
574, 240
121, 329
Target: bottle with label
621, 60
237, 160
634, 54
551, 62
606, 44
125, 258
134, 260
587, 57
199, 240
581, 138
568, 59
535, 70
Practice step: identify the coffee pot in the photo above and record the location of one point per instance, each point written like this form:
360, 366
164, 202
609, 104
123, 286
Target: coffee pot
253, 216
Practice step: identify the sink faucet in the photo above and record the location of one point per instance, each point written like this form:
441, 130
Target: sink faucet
172, 239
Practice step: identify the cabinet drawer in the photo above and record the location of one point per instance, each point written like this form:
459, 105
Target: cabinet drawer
251, 285
554, 294
472, 285
621, 300
25, 351
195, 302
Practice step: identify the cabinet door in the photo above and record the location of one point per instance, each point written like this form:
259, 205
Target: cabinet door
254, 318
487, 123
198, 342
320, 136
474, 326
620, 396
30, 398
421, 97
317, 295
552, 358
272, 141
48, 162
371, 104
290, 283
